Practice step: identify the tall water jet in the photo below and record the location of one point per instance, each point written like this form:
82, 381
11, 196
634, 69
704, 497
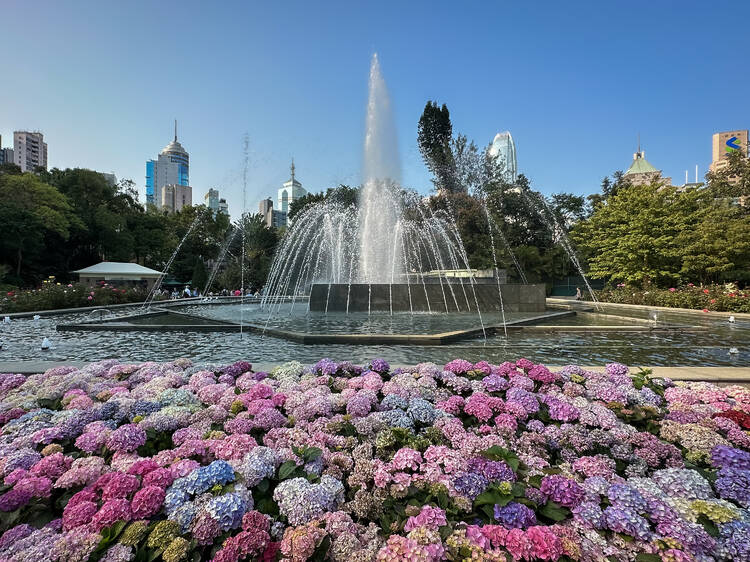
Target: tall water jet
379, 257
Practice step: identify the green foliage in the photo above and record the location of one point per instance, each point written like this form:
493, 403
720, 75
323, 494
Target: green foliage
434, 137
553, 512
31, 212
63, 220
200, 274
733, 180
343, 194
653, 235
497, 453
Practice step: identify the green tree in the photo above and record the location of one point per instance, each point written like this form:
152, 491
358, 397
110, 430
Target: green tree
343, 194
30, 210
716, 246
434, 137
634, 237
203, 241
732, 180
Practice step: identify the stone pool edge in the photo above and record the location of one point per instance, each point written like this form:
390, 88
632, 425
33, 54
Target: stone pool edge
740, 375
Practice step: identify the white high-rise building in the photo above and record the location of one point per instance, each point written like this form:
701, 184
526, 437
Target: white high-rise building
503, 149
29, 150
290, 191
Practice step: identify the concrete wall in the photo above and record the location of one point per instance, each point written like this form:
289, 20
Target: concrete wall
404, 298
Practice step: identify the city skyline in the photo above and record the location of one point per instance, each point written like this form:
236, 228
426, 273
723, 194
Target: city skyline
571, 125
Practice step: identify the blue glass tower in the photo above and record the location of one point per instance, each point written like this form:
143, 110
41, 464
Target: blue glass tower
504, 150
150, 178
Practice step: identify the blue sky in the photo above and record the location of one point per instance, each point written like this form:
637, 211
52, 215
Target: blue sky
575, 82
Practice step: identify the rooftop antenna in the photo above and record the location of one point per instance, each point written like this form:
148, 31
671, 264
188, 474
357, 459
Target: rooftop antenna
696, 173
175, 130
292, 169
686, 177
639, 143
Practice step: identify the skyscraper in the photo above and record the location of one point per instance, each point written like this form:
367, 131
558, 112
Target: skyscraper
172, 167
503, 149
290, 191
29, 150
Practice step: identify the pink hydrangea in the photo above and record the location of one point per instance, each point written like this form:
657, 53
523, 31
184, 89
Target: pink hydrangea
430, 517
110, 513
147, 502
78, 514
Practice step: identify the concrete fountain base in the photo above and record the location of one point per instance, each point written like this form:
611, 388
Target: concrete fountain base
431, 297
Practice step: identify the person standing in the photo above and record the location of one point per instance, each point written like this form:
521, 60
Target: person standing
579, 294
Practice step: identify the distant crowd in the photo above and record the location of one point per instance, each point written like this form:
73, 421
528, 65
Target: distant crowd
189, 292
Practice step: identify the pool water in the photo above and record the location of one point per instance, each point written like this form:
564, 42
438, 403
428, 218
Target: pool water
22, 339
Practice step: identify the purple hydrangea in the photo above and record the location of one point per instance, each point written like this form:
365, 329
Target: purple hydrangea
734, 484
126, 438
470, 484
380, 366
723, 456
562, 490
515, 516
627, 521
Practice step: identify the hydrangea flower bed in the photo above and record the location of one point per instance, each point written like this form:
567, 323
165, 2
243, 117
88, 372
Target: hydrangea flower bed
341, 462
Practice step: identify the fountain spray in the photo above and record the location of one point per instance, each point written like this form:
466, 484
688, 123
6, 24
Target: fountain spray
244, 230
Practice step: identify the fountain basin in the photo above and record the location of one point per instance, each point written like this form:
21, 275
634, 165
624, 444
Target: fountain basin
430, 297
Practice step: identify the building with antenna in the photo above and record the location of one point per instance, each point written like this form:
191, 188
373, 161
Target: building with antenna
290, 191
503, 149
171, 168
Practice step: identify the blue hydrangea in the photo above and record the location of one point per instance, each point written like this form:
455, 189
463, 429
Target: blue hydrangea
177, 397
175, 497
205, 477
393, 402
397, 418
184, 515
421, 411
144, 408
228, 510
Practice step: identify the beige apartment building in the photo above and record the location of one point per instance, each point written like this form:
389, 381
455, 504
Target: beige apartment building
725, 143
175, 197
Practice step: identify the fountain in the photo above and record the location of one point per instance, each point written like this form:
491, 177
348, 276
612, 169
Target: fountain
389, 254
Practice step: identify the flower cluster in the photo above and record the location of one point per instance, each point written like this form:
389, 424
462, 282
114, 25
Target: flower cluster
469, 461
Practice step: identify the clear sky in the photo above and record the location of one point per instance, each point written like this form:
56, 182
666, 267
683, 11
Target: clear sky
574, 82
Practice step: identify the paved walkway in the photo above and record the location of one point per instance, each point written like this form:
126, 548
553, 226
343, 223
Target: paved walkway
709, 374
